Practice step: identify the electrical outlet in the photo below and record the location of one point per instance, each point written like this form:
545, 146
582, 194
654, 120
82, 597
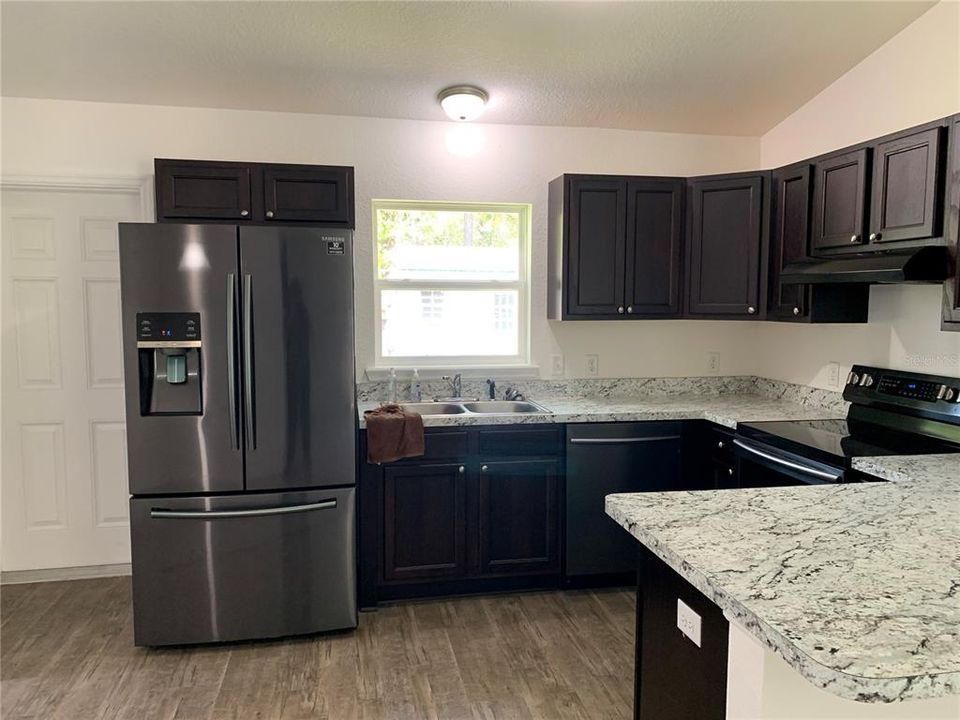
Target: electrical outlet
833, 375
713, 363
688, 621
593, 365
557, 365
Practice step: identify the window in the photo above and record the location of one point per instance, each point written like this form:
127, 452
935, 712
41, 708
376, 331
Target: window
451, 283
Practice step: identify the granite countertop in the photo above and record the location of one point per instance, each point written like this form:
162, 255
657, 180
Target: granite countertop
856, 586
724, 408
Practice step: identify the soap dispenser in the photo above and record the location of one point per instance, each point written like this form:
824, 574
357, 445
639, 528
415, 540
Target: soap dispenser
416, 394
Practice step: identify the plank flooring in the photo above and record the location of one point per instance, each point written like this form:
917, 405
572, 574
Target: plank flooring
66, 651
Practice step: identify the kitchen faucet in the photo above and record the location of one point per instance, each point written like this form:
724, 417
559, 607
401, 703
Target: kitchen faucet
456, 386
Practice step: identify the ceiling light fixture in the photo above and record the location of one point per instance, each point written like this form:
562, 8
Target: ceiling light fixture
462, 102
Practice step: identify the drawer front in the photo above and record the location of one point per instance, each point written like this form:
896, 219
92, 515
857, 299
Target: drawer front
518, 443
236, 567
720, 443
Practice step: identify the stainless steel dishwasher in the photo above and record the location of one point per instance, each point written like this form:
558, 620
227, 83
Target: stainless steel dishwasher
604, 459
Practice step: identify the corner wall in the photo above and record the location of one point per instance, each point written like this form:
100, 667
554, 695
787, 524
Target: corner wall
911, 79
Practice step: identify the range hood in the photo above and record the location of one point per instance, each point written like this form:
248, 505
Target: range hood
929, 263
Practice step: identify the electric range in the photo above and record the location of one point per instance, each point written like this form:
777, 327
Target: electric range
892, 412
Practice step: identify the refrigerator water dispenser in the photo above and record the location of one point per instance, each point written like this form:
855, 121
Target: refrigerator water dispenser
170, 348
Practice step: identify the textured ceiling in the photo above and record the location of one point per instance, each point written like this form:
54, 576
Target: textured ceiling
712, 67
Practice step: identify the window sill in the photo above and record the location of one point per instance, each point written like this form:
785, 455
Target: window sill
434, 372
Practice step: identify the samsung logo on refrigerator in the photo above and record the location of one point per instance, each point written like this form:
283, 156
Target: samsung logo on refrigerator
335, 246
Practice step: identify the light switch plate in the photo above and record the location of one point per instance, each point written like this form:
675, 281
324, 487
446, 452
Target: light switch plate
688, 621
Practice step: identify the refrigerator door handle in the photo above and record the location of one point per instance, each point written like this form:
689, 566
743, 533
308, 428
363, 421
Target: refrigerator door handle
248, 382
252, 512
232, 360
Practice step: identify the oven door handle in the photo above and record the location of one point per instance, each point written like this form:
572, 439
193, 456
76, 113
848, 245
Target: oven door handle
797, 467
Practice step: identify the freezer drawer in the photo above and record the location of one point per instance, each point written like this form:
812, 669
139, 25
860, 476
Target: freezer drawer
212, 569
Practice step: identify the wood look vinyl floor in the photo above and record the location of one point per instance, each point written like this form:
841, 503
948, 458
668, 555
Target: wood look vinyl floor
66, 651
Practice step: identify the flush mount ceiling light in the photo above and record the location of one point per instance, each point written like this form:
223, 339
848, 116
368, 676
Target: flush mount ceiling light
462, 102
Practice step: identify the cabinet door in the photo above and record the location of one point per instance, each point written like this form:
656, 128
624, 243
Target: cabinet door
424, 522
951, 288
596, 243
905, 190
518, 509
654, 238
202, 190
790, 239
726, 237
308, 194
840, 201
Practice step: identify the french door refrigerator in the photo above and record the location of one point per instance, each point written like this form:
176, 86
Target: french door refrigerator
241, 427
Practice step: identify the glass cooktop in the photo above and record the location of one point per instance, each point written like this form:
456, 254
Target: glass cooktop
840, 438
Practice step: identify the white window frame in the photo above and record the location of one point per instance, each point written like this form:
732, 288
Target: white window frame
521, 285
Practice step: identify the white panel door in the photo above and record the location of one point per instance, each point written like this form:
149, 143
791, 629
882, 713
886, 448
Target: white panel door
64, 445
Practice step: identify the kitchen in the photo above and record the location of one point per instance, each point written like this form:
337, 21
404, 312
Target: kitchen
688, 381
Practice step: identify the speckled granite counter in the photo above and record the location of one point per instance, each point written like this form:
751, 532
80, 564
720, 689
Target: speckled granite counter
856, 586
726, 401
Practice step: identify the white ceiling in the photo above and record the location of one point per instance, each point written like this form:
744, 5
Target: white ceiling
712, 67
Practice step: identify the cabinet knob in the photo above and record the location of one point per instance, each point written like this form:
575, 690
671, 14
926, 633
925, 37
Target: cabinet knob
483, 468
875, 236
796, 311
269, 213
629, 308
461, 469
752, 310
729, 471
720, 444
244, 213
854, 238
620, 309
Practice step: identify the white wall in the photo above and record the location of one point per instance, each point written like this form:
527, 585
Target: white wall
913, 78
408, 160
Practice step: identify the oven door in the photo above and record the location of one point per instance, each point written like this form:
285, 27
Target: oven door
761, 465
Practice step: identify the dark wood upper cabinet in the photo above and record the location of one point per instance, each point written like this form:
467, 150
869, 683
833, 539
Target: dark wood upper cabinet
725, 244
424, 521
840, 197
308, 193
951, 288
203, 190
906, 188
791, 195
596, 246
519, 517
615, 247
654, 246
253, 192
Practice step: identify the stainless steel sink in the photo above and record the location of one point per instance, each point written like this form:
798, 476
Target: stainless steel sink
503, 406
435, 408
480, 407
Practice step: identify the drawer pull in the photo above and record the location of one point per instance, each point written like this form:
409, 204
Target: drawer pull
252, 512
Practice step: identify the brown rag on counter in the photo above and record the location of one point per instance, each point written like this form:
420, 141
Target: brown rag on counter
392, 434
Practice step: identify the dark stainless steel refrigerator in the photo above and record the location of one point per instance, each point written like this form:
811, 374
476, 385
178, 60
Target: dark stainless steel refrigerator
241, 427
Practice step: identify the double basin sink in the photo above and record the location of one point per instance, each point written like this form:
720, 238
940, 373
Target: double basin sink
475, 407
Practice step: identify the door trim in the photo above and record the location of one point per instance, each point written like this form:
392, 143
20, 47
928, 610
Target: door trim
141, 185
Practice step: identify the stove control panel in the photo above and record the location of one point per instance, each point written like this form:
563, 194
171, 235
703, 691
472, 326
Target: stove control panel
930, 396
914, 389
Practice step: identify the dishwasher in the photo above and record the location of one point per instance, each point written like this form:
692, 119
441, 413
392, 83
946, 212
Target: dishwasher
612, 458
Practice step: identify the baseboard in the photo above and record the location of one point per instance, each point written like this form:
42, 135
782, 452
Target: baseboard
82, 572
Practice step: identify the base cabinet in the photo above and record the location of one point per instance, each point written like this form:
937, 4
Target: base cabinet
518, 517
424, 521
479, 512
